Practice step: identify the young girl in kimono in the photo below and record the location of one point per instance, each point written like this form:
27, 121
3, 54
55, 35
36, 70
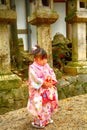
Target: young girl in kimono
43, 98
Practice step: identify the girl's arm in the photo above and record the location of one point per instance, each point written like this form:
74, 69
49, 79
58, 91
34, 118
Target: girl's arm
51, 72
34, 80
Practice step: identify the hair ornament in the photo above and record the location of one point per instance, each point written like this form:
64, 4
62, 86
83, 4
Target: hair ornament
34, 48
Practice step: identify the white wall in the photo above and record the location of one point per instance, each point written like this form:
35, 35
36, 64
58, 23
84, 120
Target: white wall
21, 20
60, 24
33, 35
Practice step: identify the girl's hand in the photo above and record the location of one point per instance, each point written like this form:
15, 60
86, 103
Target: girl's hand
47, 85
50, 80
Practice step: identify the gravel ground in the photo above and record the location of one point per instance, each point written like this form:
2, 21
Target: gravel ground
71, 115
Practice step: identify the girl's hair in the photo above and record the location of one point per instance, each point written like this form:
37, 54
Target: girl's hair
39, 52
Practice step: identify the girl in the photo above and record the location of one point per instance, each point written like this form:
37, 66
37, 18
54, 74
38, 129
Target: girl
43, 98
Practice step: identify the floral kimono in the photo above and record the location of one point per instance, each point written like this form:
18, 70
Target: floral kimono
42, 102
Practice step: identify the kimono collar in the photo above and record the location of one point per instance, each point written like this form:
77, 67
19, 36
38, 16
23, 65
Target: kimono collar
38, 66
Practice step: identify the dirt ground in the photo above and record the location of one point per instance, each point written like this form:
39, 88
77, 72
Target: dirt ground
71, 115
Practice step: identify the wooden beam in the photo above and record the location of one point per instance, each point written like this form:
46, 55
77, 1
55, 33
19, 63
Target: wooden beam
54, 0
59, 0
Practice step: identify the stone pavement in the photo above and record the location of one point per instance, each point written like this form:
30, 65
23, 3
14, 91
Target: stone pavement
71, 115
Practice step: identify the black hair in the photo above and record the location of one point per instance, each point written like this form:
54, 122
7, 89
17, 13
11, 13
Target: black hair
39, 52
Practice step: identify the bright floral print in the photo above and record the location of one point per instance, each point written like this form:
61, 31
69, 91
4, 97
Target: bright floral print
42, 102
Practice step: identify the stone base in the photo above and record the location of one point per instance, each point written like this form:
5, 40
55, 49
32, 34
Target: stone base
7, 82
74, 68
13, 94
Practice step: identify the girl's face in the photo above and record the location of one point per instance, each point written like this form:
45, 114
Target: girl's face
40, 61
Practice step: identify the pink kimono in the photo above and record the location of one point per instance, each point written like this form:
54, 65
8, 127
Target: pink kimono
42, 102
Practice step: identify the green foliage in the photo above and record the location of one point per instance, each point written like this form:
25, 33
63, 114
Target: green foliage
20, 41
61, 55
70, 16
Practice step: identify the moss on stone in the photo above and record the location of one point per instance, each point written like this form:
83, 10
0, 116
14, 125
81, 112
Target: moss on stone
9, 84
85, 87
70, 16
13, 99
77, 64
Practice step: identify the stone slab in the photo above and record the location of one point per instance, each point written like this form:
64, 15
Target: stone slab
75, 70
71, 115
7, 82
7, 16
43, 17
78, 16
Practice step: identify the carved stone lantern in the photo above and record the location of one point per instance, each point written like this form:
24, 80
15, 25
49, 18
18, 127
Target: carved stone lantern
77, 17
42, 16
7, 16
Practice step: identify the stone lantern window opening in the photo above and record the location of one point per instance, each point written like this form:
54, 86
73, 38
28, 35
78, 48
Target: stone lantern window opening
72, 5
35, 4
83, 4
2, 2
38, 4
45, 3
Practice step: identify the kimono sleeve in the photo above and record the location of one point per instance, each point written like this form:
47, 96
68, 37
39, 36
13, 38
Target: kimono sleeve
51, 71
36, 82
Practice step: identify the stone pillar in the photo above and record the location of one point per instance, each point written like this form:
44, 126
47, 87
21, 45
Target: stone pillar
78, 42
8, 80
4, 50
78, 65
44, 40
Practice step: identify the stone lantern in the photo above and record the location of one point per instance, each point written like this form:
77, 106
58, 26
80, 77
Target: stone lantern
42, 16
7, 78
77, 17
